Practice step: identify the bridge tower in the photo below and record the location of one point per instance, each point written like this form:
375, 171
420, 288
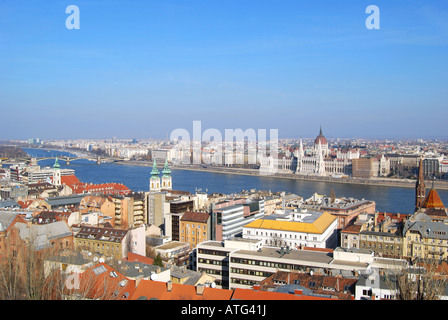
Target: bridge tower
98, 160
68, 161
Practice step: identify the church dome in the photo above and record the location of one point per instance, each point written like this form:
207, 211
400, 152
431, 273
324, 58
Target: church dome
320, 138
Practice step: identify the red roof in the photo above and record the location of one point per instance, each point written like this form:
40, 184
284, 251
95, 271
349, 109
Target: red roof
105, 188
70, 180
25, 204
102, 282
249, 294
148, 289
433, 200
397, 216
133, 257
201, 217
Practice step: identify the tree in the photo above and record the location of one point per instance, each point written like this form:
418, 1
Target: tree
158, 261
22, 271
421, 281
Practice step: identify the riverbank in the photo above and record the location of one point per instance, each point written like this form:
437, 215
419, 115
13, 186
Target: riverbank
385, 182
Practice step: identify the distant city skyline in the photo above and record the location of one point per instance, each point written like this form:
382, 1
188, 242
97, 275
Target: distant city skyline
140, 69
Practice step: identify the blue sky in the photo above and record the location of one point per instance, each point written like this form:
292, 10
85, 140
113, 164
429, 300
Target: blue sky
140, 69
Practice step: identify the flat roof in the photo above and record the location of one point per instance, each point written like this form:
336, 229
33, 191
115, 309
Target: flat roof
298, 255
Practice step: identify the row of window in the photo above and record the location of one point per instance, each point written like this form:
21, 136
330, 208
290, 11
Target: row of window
213, 252
195, 226
216, 272
268, 264
214, 262
283, 236
371, 245
192, 232
98, 247
380, 238
244, 282
251, 272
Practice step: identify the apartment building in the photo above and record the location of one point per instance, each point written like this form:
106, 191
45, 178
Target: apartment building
365, 168
130, 211
195, 227
229, 217
157, 208
380, 232
347, 209
97, 203
111, 241
424, 238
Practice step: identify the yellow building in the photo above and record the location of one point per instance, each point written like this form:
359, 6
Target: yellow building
194, 227
108, 241
425, 234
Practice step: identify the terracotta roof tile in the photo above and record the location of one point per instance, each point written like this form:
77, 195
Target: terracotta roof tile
148, 289
201, 217
433, 200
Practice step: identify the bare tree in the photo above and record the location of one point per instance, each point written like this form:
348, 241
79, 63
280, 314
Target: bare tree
422, 281
22, 273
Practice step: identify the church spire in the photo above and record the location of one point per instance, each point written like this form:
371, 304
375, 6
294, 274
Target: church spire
166, 178
154, 181
155, 171
420, 188
166, 170
56, 164
56, 173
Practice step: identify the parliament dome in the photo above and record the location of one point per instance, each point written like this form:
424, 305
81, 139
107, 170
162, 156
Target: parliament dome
320, 138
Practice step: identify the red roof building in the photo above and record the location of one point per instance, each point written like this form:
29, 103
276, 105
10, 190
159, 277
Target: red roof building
117, 189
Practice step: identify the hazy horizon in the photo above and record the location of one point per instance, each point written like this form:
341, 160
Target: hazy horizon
141, 69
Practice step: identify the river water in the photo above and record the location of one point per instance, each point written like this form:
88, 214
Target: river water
388, 199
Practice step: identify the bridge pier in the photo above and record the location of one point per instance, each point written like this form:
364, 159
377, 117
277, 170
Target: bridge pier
67, 162
98, 160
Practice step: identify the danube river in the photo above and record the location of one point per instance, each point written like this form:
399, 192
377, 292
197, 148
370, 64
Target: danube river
389, 199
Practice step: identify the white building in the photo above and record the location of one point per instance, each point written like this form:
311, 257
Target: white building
243, 263
294, 228
230, 220
315, 161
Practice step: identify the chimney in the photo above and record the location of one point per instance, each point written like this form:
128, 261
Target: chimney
200, 289
169, 286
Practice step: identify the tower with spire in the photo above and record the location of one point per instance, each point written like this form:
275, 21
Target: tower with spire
323, 143
420, 187
166, 178
154, 181
57, 173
